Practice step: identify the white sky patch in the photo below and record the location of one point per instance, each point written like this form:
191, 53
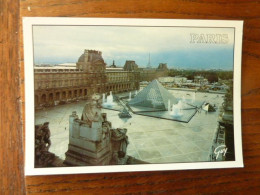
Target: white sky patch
116, 42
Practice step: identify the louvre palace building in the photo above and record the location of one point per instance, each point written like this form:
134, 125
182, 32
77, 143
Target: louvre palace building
58, 84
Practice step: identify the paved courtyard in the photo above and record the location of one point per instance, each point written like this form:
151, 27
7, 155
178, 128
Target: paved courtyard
151, 139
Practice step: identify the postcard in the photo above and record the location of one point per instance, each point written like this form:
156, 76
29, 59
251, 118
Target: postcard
119, 95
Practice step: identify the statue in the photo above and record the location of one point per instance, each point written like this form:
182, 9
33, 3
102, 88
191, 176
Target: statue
92, 110
119, 141
93, 141
43, 158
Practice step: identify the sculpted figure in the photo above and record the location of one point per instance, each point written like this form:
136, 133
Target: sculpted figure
43, 158
92, 109
119, 145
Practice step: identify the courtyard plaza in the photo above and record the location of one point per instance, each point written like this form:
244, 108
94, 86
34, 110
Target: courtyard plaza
153, 140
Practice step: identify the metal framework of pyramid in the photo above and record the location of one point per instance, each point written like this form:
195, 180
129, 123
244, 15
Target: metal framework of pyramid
154, 96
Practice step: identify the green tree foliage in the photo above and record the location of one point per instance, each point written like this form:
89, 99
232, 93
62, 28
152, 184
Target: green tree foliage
211, 75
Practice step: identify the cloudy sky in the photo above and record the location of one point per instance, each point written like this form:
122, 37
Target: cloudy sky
171, 45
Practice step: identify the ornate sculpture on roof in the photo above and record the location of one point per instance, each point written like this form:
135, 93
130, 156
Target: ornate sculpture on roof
113, 65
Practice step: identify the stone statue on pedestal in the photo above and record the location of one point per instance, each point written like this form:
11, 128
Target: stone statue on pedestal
43, 158
92, 141
92, 110
119, 141
89, 137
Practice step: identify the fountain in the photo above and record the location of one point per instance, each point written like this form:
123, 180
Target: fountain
205, 107
110, 100
194, 97
136, 92
176, 109
130, 96
169, 105
104, 98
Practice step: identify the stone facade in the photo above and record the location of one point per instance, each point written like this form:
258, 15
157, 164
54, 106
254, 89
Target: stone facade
122, 81
56, 85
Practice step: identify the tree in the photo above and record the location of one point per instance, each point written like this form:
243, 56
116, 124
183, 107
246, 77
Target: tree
212, 77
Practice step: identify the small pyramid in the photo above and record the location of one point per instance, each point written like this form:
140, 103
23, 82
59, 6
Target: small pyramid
153, 95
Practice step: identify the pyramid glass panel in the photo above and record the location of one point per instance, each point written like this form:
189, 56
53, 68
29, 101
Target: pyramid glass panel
153, 96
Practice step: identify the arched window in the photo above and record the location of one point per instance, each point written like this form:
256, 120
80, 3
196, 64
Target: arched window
57, 96
64, 95
50, 97
69, 94
43, 98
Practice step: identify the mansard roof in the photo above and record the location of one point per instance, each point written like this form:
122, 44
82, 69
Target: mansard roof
91, 56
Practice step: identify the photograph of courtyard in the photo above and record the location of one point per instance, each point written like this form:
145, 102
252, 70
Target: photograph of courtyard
153, 140
169, 100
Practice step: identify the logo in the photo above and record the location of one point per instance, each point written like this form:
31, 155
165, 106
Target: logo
209, 38
220, 150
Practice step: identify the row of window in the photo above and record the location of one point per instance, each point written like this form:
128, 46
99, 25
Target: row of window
68, 83
62, 83
68, 76
60, 95
120, 79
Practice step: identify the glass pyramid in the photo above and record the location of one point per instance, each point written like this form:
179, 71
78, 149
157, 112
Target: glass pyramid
153, 96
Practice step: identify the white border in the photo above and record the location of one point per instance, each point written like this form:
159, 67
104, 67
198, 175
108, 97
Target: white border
28, 22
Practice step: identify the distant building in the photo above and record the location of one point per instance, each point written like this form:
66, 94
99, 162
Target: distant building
177, 79
200, 80
130, 65
219, 87
166, 79
149, 74
66, 82
119, 80
163, 66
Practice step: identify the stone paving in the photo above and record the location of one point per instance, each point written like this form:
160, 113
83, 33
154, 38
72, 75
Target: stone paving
152, 140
